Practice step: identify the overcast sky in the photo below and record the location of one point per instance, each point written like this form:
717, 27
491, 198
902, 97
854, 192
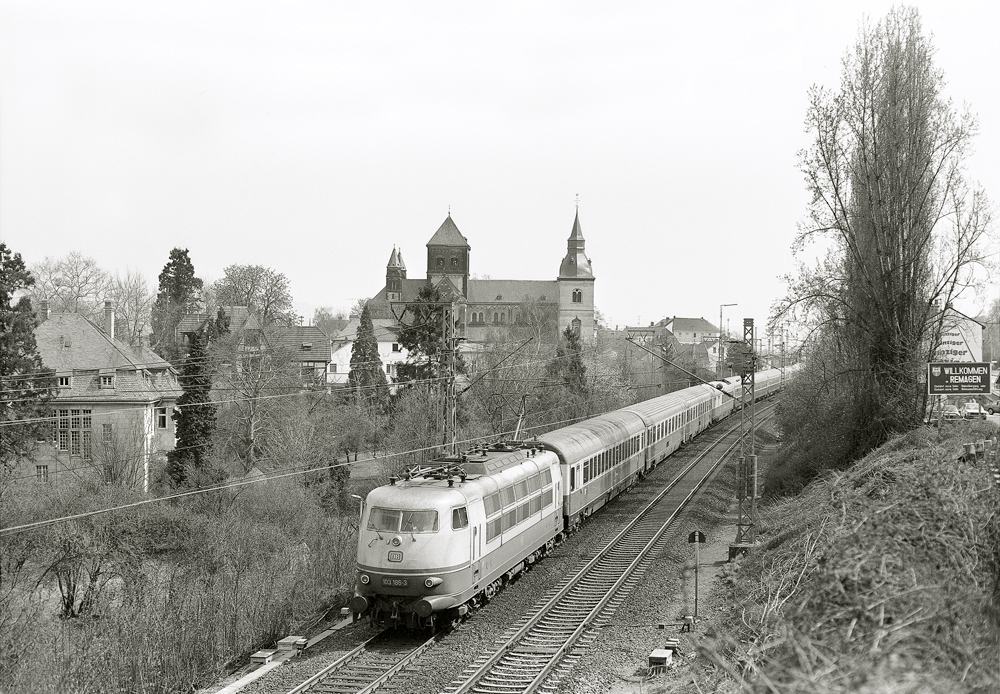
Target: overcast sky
312, 137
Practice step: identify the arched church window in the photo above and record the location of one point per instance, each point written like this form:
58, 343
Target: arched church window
577, 296
454, 262
496, 317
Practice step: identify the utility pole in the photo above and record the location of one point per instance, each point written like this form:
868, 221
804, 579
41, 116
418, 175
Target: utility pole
746, 479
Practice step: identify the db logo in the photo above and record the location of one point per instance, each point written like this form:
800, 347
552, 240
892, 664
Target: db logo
395, 556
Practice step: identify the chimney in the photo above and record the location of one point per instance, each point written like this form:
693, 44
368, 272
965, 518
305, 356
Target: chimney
43, 310
109, 317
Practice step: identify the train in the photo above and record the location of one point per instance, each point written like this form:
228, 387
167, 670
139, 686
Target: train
445, 538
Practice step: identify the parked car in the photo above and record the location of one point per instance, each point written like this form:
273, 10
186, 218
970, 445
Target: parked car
993, 406
950, 412
973, 410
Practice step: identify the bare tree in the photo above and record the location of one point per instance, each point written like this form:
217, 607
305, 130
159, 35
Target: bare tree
133, 305
904, 232
120, 451
261, 289
74, 284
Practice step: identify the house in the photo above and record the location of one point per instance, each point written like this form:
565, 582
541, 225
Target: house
112, 411
386, 334
306, 346
690, 331
310, 349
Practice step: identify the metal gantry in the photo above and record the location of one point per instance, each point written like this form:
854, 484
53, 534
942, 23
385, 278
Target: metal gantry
746, 474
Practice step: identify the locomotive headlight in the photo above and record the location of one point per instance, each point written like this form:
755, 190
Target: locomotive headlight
433, 581
396, 541
365, 579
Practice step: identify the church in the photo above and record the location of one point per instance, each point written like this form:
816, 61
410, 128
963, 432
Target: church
482, 304
491, 303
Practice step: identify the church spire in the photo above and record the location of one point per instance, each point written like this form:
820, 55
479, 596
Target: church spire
576, 263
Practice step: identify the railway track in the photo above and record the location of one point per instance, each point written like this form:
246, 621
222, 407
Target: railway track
534, 654
369, 666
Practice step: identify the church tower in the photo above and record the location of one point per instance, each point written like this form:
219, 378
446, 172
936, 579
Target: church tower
576, 285
448, 257
395, 273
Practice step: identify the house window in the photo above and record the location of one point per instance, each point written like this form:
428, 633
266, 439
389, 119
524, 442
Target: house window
161, 417
74, 432
395, 346
42, 473
306, 346
333, 368
106, 433
388, 368
64, 381
577, 296
107, 381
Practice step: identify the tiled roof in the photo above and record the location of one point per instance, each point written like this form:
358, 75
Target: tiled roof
448, 235
386, 329
692, 325
304, 343
72, 345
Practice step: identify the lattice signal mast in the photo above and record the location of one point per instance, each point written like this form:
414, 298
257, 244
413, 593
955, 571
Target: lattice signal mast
746, 474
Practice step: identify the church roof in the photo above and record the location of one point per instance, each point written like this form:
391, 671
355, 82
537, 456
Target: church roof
489, 291
396, 259
448, 235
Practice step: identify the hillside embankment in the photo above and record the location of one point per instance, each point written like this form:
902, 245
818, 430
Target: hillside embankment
881, 578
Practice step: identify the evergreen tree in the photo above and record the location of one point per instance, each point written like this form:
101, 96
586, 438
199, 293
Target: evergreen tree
422, 337
568, 365
179, 293
194, 415
25, 385
367, 378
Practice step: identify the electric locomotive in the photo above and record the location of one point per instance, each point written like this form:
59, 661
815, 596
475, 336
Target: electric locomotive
445, 538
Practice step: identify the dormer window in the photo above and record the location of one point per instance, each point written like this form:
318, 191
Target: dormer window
64, 382
306, 346
107, 381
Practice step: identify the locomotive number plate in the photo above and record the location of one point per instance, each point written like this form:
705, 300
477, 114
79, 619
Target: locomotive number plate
395, 582
395, 556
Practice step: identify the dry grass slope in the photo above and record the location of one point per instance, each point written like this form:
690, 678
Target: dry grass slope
883, 578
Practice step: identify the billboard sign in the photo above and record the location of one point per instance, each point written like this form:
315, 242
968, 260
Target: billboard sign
958, 378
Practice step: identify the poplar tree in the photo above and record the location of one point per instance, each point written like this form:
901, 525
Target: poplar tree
25, 385
902, 229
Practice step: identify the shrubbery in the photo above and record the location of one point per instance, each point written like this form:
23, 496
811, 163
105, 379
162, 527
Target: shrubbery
168, 595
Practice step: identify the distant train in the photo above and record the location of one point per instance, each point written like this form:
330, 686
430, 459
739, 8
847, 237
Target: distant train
446, 538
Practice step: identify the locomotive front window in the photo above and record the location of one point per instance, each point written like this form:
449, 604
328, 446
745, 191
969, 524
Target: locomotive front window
394, 521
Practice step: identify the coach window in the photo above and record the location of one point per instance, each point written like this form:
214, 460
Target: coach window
459, 518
